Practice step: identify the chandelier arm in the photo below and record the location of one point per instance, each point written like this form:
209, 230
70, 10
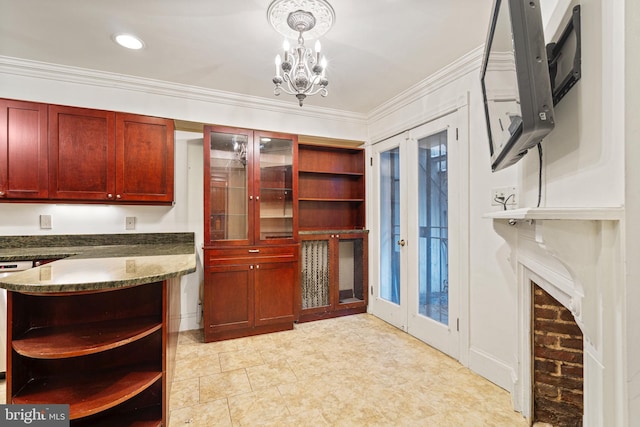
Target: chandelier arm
321, 90
289, 87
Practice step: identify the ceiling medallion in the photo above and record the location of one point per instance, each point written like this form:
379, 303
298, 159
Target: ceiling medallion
301, 72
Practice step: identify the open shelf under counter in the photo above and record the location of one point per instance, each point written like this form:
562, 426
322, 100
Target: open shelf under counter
78, 340
140, 417
90, 394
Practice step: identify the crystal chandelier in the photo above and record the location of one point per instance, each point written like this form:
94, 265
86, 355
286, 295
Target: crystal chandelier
302, 71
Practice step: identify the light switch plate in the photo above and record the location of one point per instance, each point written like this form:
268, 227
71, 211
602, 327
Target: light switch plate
45, 222
130, 223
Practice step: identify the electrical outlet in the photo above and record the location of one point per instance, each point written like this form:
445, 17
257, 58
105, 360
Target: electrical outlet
130, 223
505, 194
45, 222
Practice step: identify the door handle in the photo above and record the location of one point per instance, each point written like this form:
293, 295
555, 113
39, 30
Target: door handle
401, 242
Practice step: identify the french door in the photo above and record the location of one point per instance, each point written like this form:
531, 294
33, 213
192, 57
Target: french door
417, 216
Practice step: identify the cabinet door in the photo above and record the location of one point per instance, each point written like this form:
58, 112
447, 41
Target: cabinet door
23, 150
144, 158
228, 194
274, 288
228, 298
276, 188
316, 269
81, 153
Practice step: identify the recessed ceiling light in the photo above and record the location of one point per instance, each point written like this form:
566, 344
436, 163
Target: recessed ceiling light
129, 41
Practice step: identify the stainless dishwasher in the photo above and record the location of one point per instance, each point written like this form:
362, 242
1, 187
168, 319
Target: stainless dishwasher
7, 268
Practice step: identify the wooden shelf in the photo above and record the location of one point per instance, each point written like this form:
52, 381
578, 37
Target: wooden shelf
90, 394
78, 340
331, 187
145, 417
107, 354
322, 199
322, 172
336, 160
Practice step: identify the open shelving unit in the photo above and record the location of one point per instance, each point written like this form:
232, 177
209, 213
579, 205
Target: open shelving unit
331, 187
331, 206
105, 353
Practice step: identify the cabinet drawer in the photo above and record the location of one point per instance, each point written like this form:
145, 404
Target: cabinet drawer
251, 254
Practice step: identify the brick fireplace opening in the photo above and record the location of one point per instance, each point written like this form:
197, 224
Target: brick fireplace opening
557, 377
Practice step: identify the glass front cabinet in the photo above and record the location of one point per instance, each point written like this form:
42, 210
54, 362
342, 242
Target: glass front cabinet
250, 232
251, 187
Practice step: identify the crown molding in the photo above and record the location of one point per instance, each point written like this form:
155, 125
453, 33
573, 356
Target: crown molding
450, 73
76, 75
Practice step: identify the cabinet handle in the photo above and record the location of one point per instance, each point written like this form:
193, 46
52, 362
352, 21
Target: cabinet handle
401, 242
109, 196
257, 266
257, 197
251, 267
332, 236
337, 236
118, 196
254, 251
250, 197
1, 193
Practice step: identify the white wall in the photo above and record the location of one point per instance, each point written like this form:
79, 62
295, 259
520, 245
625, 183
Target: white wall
631, 334
584, 155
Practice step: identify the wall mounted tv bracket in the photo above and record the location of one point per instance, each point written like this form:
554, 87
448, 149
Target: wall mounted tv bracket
559, 58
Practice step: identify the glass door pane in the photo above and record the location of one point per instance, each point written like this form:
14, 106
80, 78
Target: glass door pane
390, 225
228, 209
433, 226
276, 187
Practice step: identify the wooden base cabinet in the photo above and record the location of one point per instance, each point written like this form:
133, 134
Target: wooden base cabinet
333, 274
108, 354
249, 291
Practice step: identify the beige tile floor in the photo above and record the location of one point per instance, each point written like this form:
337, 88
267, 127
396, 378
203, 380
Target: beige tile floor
350, 371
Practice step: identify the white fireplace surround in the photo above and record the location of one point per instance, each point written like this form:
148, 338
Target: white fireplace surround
575, 255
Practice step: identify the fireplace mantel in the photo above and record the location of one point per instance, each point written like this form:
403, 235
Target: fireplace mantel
571, 214
575, 255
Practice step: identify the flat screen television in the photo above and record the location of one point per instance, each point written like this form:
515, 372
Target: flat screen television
516, 87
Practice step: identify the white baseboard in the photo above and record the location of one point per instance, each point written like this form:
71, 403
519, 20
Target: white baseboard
495, 370
189, 322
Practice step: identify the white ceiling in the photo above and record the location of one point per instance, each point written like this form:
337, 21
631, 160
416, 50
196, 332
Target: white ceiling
376, 49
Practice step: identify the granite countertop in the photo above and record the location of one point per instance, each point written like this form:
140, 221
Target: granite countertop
96, 262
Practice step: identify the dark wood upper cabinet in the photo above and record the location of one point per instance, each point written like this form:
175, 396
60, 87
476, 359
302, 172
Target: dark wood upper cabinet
144, 158
97, 155
23, 150
82, 159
